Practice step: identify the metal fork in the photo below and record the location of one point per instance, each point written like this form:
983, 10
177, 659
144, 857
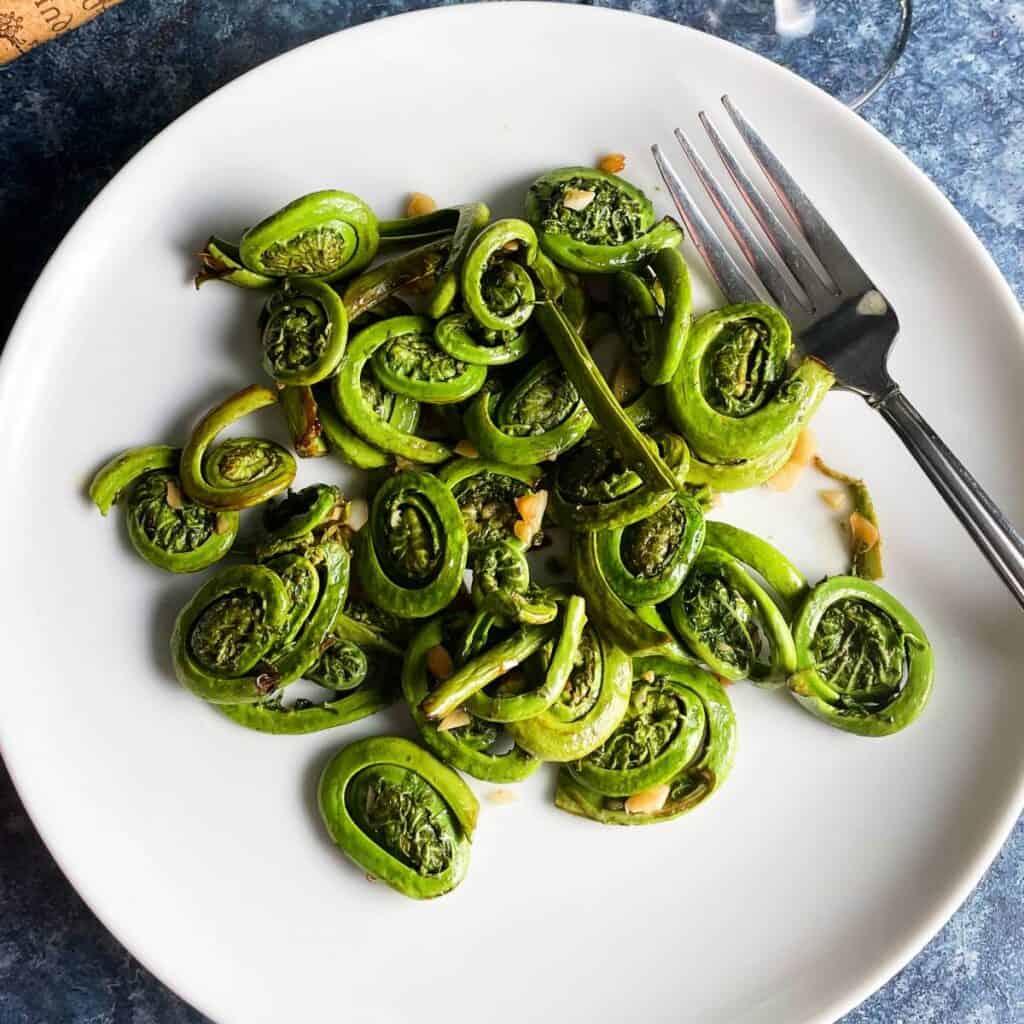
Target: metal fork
847, 322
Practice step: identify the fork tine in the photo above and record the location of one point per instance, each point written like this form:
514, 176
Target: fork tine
834, 256
731, 280
762, 265
776, 232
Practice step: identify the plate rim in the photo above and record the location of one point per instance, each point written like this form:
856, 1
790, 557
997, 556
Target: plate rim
16, 350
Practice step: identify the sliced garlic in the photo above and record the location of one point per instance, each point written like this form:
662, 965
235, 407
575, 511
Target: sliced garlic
577, 198
864, 531
531, 508
647, 800
174, 496
439, 662
502, 796
834, 499
455, 720
358, 513
626, 381
467, 449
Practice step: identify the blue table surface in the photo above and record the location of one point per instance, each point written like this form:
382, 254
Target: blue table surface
72, 112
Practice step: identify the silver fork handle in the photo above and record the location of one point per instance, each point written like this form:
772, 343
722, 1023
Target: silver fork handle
999, 542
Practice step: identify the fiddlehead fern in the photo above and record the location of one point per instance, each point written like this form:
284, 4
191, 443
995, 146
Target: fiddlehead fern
596, 223
302, 519
486, 493
574, 302
538, 419
463, 223
253, 629
302, 417
681, 732
471, 745
412, 554
241, 471
303, 329
342, 667
481, 670
656, 335
733, 397
518, 696
360, 661
662, 730
647, 561
399, 814
496, 285
376, 692
738, 474
727, 619
621, 624
595, 490
864, 664
374, 291
372, 628
396, 411
867, 557
785, 581
589, 707
464, 339
326, 567
364, 405
326, 235
410, 363
225, 632
165, 528
220, 260
501, 585
636, 450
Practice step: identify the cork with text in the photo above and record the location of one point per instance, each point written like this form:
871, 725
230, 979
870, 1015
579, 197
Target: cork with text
25, 24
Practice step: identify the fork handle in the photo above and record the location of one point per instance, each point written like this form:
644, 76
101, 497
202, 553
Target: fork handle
999, 542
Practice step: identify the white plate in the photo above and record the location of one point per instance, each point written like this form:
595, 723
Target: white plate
824, 863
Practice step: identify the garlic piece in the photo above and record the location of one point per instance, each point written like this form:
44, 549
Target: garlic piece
174, 496
467, 449
454, 720
613, 163
502, 796
358, 513
647, 800
577, 199
439, 662
626, 381
531, 508
419, 204
864, 531
834, 499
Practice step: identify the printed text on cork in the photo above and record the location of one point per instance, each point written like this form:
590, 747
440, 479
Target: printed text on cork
25, 24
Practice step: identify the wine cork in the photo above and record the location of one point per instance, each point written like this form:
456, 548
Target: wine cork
25, 24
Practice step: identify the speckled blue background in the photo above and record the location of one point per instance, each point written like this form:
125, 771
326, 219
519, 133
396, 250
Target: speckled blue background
73, 112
